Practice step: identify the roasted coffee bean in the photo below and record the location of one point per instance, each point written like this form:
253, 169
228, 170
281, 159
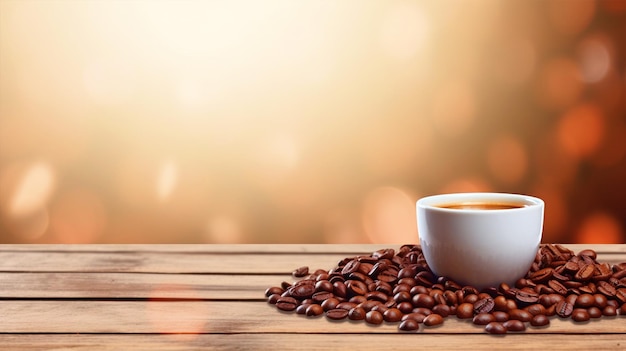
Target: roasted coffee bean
564, 309
339, 289
321, 296
606, 288
402, 296
500, 316
274, 290
401, 287
380, 308
376, 295
356, 287
346, 305
384, 254
374, 317
405, 307
557, 287
423, 300
357, 314
350, 267
442, 310
539, 320
392, 315
585, 272
536, 309
514, 325
620, 294
600, 300
409, 325
358, 299
588, 253
369, 304
302, 290
622, 310
520, 315
314, 310
300, 272
323, 285
526, 296
541, 275
585, 300
273, 299
609, 311
416, 316
337, 314
301, 309
483, 318
594, 312
465, 310
484, 305
330, 304
495, 328
471, 298
286, 303
433, 319
580, 315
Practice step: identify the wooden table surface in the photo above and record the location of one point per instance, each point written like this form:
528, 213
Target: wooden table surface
187, 297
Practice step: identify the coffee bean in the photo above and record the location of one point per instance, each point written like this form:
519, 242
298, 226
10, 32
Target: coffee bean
609, 311
409, 325
514, 325
483, 318
301, 309
433, 319
557, 287
606, 288
585, 300
300, 272
402, 296
392, 315
564, 309
405, 307
418, 317
585, 272
526, 296
484, 305
274, 290
442, 310
314, 310
321, 296
357, 314
302, 289
465, 310
594, 312
539, 320
536, 309
323, 285
286, 303
521, 315
580, 315
500, 316
346, 305
620, 294
541, 275
588, 253
622, 310
330, 304
423, 300
337, 314
357, 287
350, 267
495, 328
374, 317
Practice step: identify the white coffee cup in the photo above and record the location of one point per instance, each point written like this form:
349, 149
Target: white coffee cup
477, 246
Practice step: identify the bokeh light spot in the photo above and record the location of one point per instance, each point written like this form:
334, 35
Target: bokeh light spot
389, 216
466, 185
33, 190
404, 31
600, 228
516, 61
77, 216
559, 83
507, 159
594, 60
223, 229
580, 130
556, 212
166, 180
571, 17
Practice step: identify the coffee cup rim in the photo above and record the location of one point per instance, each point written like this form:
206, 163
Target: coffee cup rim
434, 202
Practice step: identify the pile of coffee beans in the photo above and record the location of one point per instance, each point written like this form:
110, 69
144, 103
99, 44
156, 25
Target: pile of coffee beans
398, 287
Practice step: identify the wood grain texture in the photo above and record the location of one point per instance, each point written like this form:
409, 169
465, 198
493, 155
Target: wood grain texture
322, 342
179, 262
221, 317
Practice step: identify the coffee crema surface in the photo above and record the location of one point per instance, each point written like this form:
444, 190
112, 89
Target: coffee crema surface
482, 206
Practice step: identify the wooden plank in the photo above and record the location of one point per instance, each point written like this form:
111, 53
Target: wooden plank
137, 286
322, 342
222, 317
175, 262
249, 248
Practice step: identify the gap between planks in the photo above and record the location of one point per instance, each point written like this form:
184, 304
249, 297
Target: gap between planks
554, 342
210, 317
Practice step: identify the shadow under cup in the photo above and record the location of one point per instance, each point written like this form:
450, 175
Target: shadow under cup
480, 239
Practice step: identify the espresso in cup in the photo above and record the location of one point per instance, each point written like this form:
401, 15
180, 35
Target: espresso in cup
482, 205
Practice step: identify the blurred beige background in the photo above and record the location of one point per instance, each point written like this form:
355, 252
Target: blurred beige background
305, 121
